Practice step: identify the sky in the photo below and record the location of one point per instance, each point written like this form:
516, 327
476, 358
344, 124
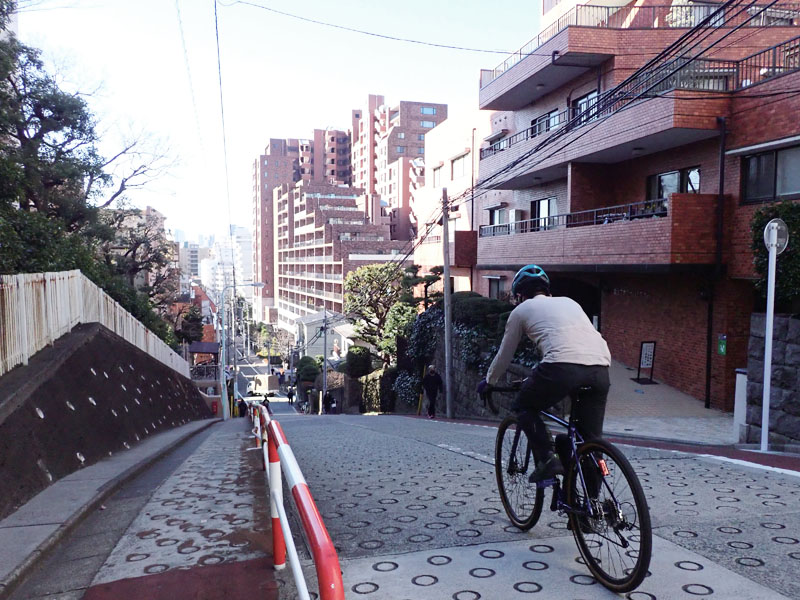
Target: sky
281, 77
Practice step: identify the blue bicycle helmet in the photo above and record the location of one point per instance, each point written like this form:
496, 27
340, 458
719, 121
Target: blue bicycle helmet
529, 280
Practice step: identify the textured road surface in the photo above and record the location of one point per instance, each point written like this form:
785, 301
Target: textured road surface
413, 509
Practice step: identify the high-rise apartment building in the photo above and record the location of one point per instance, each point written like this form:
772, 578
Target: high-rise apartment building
325, 158
322, 233
386, 139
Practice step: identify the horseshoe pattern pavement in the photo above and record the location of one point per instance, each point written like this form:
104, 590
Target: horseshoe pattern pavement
413, 508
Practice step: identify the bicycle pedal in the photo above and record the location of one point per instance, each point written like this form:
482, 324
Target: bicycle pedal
545, 483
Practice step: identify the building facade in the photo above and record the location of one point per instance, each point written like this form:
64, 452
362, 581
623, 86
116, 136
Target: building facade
633, 183
323, 158
386, 139
322, 234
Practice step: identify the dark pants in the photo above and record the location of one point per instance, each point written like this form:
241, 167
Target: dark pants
551, 382
432, 402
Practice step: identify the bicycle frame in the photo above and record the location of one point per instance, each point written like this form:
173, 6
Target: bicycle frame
575, 439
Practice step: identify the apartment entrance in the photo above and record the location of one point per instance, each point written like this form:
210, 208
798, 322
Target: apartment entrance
585, 294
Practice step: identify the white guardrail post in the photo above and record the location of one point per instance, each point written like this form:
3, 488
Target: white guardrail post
279, 456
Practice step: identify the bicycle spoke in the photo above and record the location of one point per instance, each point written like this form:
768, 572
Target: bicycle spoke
616, 541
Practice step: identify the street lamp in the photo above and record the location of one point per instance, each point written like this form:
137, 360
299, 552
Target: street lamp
223, 353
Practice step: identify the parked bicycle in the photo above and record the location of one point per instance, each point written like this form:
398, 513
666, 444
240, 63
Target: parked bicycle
599, 494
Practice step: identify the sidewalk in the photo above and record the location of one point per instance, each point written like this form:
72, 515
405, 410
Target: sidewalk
27, 534
662, 413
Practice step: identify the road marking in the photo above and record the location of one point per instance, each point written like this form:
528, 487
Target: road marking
468, 453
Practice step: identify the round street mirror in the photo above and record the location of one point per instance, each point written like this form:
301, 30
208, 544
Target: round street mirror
783, 235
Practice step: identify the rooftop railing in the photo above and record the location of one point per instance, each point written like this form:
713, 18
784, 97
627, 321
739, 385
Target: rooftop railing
643, 17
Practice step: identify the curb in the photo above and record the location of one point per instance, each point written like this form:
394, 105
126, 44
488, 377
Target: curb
15, 576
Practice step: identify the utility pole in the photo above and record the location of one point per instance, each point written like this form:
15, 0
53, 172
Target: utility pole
235, 360
324, 356
448, 308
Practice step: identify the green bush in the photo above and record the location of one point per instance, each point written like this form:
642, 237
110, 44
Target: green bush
475, 310
787, 277
307, 369
407, 387
358, 362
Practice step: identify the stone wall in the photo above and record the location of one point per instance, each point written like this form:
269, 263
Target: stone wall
784, 412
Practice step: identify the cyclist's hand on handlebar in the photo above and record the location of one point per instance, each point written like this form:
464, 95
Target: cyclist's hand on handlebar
483, 387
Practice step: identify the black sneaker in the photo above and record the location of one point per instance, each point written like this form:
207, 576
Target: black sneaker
547, 469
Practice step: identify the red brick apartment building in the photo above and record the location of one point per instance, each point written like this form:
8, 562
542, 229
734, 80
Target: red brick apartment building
386, 139
623, 206
322, 232
323, 159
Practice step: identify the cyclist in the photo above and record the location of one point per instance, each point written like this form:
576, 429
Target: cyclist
573, 354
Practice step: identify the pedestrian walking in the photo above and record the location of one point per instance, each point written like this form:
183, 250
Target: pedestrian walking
290, 395
327, 402
432, 384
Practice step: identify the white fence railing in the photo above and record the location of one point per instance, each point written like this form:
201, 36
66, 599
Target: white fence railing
38, 308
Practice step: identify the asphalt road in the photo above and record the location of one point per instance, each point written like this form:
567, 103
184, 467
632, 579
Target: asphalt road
413, 509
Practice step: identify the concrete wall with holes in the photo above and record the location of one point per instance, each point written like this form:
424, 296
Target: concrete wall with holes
90, 395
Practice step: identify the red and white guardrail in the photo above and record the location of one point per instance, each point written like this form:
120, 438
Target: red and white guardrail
280, 458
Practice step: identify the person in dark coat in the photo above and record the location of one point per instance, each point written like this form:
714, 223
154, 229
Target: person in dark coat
242, 407
290, 395
327, 402
432, 384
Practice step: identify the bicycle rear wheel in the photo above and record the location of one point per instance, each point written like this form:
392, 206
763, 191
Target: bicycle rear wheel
521, 499
617, 544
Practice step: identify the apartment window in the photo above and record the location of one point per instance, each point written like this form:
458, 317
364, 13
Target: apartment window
427, 124
420, 137
684, 181
495, 288
437, 177
585, 107
401, 135
545, 123
266, 174
458, 166
542, 212
773, 175
265, 162
420, 150
498, 216
357, 115
400, 149
428, 110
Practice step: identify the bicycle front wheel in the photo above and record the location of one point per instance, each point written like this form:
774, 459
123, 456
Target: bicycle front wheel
616, 540
513, 462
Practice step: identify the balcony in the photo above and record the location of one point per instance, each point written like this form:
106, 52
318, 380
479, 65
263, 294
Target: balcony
674, 231
559, 54
645, 127
463, 250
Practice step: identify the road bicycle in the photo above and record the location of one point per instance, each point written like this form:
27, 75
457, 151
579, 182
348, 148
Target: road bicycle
599, 494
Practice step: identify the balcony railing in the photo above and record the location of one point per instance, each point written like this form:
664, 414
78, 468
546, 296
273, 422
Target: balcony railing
643, 17
536, 130
596, 216
702, 74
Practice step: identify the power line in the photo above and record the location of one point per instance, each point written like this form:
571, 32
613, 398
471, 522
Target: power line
364, 32
191, 85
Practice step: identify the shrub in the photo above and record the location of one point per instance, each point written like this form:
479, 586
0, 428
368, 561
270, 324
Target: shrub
407, 387
787, 277
307, 369
358, 362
